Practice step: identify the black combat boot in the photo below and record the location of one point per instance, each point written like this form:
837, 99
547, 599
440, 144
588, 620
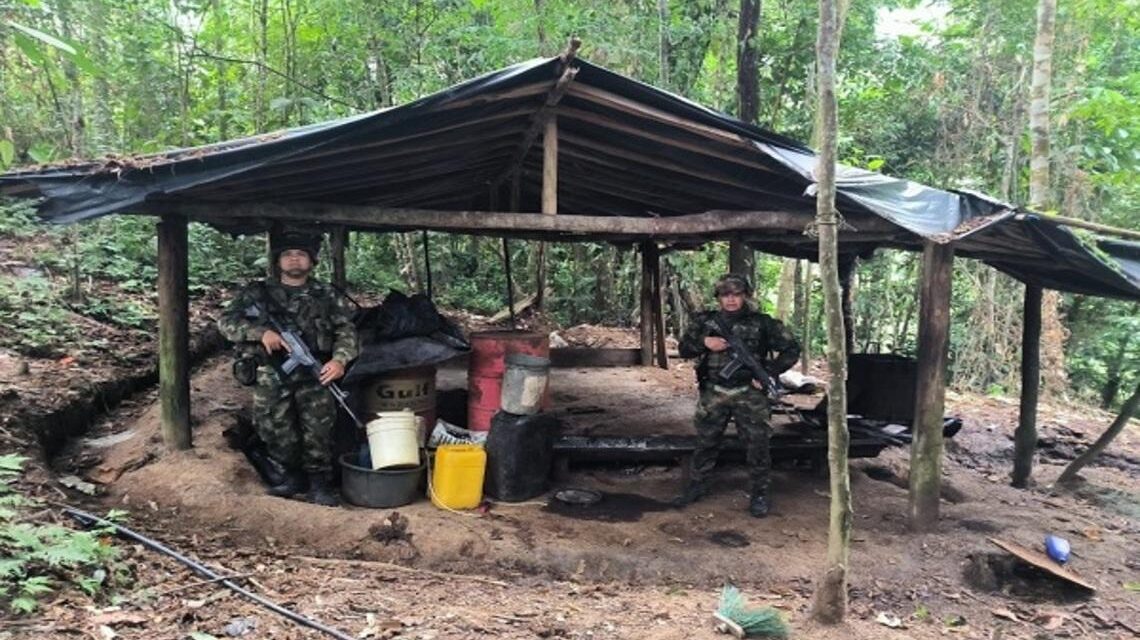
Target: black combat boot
321, 491
693, 492
758, 507
292, 483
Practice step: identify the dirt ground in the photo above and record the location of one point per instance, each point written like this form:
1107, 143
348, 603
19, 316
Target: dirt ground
630, 568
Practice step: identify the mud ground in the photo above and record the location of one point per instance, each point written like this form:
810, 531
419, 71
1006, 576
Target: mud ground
631, 568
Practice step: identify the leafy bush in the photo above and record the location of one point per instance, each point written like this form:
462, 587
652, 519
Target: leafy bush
37, 559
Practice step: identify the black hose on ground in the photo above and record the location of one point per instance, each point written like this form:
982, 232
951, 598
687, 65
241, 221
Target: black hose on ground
87, 520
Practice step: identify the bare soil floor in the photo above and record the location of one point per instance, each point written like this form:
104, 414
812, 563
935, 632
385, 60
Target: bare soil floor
630, 568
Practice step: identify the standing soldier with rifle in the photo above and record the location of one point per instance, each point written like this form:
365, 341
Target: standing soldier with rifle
736, 379
293, 409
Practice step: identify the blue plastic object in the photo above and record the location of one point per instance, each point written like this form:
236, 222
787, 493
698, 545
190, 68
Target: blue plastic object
364, 456
1057, 548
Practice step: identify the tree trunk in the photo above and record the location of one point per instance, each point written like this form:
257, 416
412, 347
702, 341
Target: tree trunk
1115, 369
930, 386
1126, 412
830, 604
741, 258
1025, 437
805, 328
338, 242
663, 43
786, 294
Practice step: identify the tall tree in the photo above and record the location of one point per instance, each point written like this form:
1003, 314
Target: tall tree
741, 258
830, 603
1025, 437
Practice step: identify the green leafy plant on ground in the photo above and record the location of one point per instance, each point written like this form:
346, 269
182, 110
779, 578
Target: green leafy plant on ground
32, 319
37, 559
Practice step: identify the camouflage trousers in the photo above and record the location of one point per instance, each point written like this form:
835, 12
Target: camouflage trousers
748, 408
295, 419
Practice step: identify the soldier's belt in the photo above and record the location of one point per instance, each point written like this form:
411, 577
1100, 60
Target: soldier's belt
730, 391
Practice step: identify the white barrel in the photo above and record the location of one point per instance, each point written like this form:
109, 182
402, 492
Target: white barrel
393, 440
524, 383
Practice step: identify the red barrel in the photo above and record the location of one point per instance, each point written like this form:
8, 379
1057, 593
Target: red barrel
485, 371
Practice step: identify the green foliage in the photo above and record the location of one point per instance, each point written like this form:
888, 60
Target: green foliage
37, 559
31, 319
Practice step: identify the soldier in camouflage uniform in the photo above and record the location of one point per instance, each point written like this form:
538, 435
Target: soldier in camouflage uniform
740, 399
295, 414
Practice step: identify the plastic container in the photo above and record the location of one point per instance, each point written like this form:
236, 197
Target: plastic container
457, 476
524, 383
520, 454
487, 365
379, 489
393, 440
1057, 548
412, 388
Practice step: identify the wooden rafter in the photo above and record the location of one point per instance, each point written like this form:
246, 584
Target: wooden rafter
538, 120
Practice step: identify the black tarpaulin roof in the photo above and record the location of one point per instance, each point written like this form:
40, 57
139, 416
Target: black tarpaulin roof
625, 149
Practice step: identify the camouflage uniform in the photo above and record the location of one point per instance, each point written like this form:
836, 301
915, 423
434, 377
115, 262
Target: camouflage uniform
294, 414
736, 399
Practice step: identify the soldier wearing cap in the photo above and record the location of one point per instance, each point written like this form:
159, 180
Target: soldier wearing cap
294, 414
740, 399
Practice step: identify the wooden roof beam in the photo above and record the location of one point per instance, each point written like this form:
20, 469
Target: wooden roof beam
709, 225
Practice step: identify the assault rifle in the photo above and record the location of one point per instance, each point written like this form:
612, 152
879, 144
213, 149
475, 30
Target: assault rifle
742, 359
300, 356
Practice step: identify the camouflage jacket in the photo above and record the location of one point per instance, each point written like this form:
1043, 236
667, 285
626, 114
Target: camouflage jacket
315, 310
769, 340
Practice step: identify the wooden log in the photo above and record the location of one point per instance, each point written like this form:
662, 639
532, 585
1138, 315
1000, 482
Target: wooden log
569, 357
646, 322
1025, 436
930, 388
709, 225
1085, 224
173, 333
338, 242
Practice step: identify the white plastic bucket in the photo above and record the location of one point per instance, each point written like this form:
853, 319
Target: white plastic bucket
393, 440
524, 383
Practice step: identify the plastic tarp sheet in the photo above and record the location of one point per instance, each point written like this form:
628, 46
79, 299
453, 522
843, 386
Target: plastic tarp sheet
618, 133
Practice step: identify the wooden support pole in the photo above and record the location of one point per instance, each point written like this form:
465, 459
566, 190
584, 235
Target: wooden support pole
646, 323
549, 199
658, 306
1025, 437
338, 242
173, 333
930, 388
427, 263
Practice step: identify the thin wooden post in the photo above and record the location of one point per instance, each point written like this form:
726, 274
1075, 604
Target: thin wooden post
1025, 437
427, 263
173, 333
654, 258
549, 199
338, 242
930, 388
646, 323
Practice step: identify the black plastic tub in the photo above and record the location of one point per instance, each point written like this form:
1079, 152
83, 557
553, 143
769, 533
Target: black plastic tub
381, 488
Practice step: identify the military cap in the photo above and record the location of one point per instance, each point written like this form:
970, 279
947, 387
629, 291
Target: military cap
733, 283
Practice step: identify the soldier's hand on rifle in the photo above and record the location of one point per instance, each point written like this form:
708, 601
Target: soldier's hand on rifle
713, 343
272, 341
759, 385
331, 372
